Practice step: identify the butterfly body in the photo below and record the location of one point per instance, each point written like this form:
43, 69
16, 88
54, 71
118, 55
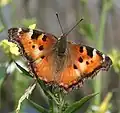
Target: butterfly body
58, 61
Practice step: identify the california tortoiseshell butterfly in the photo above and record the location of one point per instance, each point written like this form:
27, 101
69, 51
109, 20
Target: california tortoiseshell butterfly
56, 61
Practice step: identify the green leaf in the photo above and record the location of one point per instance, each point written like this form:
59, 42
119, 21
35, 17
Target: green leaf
23, 70
37, 107
77, 105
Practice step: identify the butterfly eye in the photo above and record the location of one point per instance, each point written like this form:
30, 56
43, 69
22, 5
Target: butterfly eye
80, 60
41, 48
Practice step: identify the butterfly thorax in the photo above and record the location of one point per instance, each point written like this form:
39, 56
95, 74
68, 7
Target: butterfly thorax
61, 54
61, 46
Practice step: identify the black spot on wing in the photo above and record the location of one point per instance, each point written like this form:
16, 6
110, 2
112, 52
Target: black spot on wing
36, 34
81, 49
25, 30
75, 67
87, 62
80, 60
89, 51
44, 38
33, 46
41, 47
42, 57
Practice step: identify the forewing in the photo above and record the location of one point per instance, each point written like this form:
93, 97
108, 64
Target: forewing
37, 46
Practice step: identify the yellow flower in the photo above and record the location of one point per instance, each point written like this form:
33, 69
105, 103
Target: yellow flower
14, 50
9, 48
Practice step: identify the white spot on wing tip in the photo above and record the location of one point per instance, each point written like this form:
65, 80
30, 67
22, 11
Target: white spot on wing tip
94, 52
19, 30
31, 32
103, 57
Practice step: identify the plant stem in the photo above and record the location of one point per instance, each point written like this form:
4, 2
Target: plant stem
100, 43
61, 102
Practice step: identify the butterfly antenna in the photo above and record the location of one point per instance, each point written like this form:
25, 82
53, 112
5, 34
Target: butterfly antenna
59, 22
74, 26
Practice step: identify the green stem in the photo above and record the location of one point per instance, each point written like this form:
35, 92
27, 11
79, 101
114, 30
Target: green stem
100, 42
51, 106
61, 102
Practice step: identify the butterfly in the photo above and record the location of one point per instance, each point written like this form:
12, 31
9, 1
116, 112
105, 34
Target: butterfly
56, 60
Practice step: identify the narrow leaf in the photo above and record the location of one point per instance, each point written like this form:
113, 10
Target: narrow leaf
77, 105
37, 107
23, 70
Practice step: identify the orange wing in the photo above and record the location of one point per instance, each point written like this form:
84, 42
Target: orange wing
37, 47
78, 63
84, 62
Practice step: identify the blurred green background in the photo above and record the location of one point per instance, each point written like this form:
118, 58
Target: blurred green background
100, 29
